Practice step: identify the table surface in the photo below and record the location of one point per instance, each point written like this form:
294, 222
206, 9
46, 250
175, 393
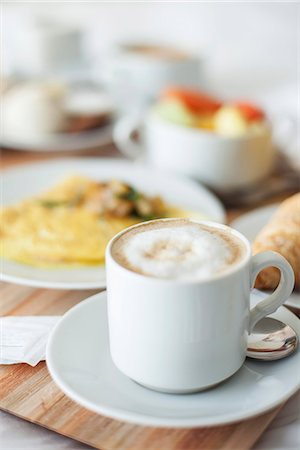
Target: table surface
17, 434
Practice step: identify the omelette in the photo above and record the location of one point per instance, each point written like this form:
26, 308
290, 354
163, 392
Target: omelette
72, 223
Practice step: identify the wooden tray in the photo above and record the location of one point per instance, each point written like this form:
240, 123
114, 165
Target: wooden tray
30, 393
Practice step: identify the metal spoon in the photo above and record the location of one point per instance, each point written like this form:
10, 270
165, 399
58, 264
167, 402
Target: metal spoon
271, 340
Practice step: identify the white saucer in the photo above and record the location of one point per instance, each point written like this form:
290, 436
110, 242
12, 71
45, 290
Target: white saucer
64, 142
250, 224
79, 362
32, 179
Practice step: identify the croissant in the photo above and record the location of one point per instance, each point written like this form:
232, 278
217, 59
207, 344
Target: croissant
282, 235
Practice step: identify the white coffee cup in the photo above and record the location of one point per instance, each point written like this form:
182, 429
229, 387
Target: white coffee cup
136, 77
223, 163
54, 48
185, 336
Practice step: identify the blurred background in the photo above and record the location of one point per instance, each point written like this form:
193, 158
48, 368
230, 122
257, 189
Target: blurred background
116, 57
247, 48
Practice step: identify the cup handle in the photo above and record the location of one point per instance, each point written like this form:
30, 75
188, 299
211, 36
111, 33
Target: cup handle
122, 136
282, 292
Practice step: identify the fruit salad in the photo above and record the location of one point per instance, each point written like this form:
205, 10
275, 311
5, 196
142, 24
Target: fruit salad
195, 109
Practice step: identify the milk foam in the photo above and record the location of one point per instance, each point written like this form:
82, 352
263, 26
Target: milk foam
183, 252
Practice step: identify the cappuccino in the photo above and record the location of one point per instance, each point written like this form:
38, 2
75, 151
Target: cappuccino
178, 249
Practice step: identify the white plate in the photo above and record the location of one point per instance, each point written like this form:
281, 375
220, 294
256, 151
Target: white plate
66, 142
250, 225
30, 180
79, 362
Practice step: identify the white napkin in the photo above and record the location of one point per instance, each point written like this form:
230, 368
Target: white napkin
23, 339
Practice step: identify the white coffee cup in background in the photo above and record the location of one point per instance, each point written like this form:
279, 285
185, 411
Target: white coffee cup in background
223, 163
45, 48
183, 335
135, 73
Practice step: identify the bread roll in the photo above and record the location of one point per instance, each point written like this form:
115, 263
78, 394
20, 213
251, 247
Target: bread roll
282, 235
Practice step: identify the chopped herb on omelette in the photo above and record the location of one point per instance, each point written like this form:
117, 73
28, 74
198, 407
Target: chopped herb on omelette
72, 223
